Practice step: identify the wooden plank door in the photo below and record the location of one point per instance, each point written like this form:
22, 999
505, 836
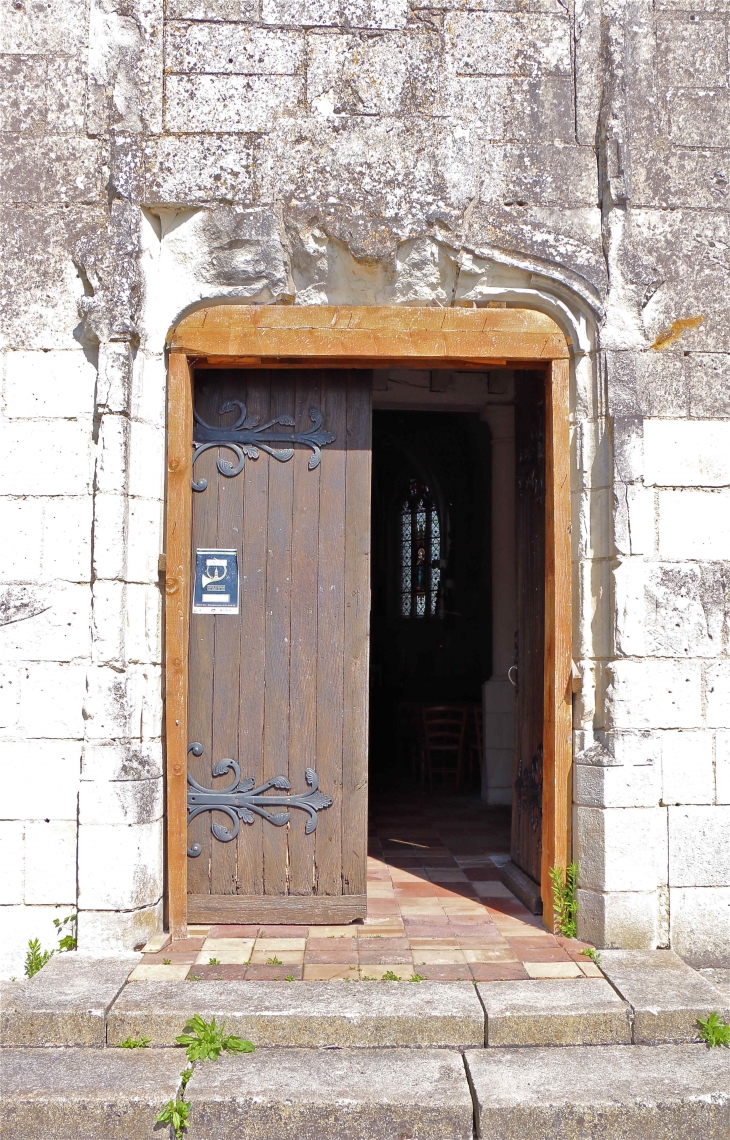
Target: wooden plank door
526, 847
277, 701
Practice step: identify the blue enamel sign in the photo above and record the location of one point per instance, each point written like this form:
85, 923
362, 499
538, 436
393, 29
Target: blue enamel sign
216, 582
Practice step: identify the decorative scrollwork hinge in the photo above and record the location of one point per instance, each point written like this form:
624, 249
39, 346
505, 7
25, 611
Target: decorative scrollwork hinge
241, 800
246, 437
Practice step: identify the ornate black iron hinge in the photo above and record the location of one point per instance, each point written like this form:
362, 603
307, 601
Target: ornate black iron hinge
246, 437
241, 800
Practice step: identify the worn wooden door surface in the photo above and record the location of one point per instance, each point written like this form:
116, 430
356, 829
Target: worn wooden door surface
279, 690
530, 520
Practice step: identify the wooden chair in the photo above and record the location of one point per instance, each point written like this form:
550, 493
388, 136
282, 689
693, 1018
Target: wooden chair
475, 750
444, 730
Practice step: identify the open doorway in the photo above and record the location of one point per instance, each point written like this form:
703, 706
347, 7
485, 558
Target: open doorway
457, 619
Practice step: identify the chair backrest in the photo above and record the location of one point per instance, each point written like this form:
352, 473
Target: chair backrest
444, 727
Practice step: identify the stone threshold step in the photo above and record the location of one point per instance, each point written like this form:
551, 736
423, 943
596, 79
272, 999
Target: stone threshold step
638, 1093
649, 998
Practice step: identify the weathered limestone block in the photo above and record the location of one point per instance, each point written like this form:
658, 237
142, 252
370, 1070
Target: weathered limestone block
50, 170
50, 862
55, 768
544, 175
508, 43
647, 384
512, 108
48, 385
609, 839
674, 177
303, 1014
560, 1012
194, 171
676, 1092
115, 1093
55, 26
372, 14
694, 524
700, 118
233, 102
41, 95
308, 1093
654, 694
670, 609
67, 1002
708, 377
120, 801
233, 49
125, 66
119, 930
700, 924
699, 851
133, 879
693, 453
687, 769
666, 995
691, 52
392, 74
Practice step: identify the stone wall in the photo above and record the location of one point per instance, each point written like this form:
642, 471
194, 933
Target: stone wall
570, 156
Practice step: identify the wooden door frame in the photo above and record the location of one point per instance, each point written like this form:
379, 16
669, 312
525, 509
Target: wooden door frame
271, 336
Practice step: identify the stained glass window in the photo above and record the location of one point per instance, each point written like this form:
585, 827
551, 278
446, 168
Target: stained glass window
420, 553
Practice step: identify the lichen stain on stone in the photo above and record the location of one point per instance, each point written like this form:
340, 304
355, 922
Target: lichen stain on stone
675, 330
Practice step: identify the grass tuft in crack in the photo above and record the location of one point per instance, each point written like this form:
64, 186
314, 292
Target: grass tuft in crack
565, 904
175, 1113
205, 1040
714, 1031
135, 1043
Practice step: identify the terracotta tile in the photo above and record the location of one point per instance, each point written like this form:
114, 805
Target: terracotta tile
232, 931
445, 973
535, 954
283, 931
227, 957
382, 942
553, 969
438, 957
498, 972
328, 957
286, 957
273, 973
484, 942
169, 956
321, 932
216, 946
380, 907
446, 875
590, 969
380, 924
375, 971
490, 954
158, 973
332, 973
433, 943
482, 874
221, 973
186, 945
274, 944
388, 958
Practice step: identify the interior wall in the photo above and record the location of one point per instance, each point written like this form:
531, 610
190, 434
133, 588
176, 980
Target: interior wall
491, 396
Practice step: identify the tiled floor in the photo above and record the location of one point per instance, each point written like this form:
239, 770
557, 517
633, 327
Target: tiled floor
436, 910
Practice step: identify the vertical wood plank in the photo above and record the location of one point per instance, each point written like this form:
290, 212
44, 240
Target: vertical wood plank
303, 683
201, 652
330, 636
177, 609
557, 769
356, 634
253, 635
227, 660
278, 635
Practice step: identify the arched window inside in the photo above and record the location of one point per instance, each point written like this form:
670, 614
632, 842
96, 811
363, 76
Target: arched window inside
420, 553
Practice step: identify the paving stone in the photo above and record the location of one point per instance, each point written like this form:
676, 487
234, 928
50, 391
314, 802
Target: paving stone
351, 1094
667, 996
305, 1013
67, 1002
72, 1094
718, 977
664, 1092
562, 1012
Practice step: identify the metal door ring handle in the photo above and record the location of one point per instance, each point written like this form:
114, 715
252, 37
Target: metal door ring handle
512, 680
